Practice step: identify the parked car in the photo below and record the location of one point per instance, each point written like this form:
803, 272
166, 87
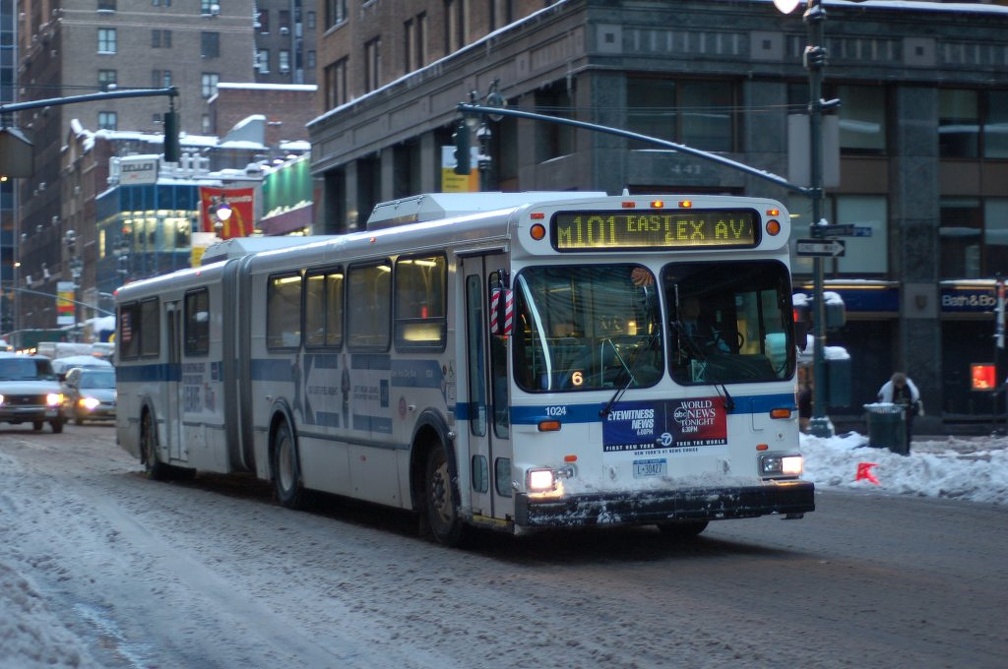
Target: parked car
30, 392
90, 394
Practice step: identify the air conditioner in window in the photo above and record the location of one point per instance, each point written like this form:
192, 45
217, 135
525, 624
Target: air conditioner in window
284, 69
214, 10
285, 31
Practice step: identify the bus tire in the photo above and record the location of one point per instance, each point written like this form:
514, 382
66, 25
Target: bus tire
441, 502
37, 425
683, 529
56, 425
154, 469
287, 481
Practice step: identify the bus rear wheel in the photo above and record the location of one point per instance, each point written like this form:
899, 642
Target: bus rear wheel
683, 529
441, 505
154, 469
286, 469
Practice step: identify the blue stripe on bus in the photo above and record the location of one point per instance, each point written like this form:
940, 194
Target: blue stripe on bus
265, 369
589, 413
155, 372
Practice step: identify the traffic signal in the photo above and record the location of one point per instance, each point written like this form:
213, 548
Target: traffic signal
462, 153
171, 138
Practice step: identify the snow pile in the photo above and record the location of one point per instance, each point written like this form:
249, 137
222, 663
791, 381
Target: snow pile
973, 469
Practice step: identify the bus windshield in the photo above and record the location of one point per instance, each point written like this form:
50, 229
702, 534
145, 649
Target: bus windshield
587, 328
729, 323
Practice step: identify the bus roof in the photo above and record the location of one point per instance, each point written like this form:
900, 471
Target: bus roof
240, 246
434, 206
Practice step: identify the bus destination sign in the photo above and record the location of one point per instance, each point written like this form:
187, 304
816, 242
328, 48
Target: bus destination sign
655, 229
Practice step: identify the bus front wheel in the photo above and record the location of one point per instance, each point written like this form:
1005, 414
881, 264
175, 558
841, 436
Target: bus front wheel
154, 469
286, 469
441, 501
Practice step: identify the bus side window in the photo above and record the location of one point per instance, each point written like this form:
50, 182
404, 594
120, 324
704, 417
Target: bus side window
369, 307
283, 311
197, 322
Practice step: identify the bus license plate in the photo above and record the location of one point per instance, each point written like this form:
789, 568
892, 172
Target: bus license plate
653, 467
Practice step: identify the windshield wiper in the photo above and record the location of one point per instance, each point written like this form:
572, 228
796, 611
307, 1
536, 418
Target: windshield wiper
607, 409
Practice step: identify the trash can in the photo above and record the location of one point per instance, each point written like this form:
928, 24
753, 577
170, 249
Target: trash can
887, 427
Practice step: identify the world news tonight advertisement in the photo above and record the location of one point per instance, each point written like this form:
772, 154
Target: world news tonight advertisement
671, 426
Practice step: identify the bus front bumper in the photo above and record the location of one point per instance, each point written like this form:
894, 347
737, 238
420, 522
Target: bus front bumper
790, 498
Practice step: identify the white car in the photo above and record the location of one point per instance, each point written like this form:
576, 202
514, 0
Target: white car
30, 392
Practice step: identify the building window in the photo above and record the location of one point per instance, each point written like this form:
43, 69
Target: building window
867, 253
335, 84
106, 5
700, 114
160, 38
372, 64
456, 35
108, 120
862, 120
960, 236
335, 12
161, 78
283, 61
995, 129
415, 42
996, 234
209, 7
107, 79
553, 139
958, 124
310, 20
210, 45
262, 61
205, 127
283, 19
264, 21
310, 60
208, 84
106, 40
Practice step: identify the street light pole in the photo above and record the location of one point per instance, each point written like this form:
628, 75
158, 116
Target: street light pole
815, 62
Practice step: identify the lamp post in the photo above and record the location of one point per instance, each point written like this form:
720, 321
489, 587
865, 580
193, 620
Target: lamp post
815, 62
222, 213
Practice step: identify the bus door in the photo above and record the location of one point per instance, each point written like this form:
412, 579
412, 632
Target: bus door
173, 386
488, 398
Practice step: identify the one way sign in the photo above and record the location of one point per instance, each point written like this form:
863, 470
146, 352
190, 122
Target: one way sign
830, 248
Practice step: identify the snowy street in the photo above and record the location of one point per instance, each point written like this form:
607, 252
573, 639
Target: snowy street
101, 568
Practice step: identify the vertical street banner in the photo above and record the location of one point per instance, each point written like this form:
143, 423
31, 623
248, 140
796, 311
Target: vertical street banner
240, 201
65, 303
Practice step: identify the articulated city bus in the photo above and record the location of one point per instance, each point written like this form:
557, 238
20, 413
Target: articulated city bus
515, 361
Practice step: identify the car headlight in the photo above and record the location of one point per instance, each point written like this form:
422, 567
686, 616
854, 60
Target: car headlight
780, 465
54, 399
89, 403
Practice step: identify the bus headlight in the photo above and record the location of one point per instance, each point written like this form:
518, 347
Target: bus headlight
540, 480
780, 465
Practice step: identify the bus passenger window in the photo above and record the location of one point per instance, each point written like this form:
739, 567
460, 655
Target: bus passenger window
283, 311
197, 322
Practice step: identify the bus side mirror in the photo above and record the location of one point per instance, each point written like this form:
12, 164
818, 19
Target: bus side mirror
501, 311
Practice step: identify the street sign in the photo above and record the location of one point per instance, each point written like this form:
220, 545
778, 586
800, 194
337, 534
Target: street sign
830, 248
820, 231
